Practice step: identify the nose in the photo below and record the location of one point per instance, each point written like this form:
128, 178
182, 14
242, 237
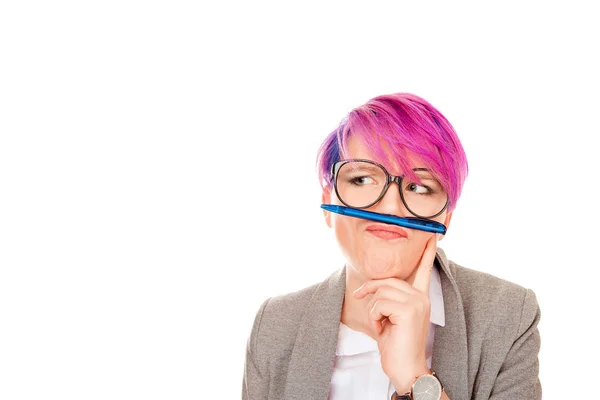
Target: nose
391, 202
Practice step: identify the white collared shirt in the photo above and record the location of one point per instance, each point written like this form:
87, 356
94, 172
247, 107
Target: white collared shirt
357, 373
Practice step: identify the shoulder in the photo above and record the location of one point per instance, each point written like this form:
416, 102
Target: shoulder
278, 319
492, 301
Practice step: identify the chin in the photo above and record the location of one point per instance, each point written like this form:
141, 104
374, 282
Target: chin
381, 270
381, 267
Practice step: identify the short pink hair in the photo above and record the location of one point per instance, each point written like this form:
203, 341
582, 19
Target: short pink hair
410, 127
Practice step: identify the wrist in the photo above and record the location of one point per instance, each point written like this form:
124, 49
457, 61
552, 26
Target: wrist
404, 383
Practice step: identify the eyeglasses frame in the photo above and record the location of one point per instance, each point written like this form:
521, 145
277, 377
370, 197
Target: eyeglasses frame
335, 168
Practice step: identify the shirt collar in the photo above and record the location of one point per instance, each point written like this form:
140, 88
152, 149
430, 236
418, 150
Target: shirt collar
354, 342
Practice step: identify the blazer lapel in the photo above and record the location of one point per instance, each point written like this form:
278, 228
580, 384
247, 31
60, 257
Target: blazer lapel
312, 360
450, 358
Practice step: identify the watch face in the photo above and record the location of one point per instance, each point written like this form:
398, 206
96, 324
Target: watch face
427, 387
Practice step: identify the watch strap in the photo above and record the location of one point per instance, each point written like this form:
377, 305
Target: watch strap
396, 396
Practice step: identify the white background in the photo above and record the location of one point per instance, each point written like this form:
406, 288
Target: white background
158, 182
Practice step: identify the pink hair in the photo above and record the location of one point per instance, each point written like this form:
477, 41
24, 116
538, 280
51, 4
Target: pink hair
408, 126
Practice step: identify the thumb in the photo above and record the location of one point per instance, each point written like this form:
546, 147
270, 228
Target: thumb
423, 274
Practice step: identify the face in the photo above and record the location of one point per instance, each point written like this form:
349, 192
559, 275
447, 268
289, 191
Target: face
372, 255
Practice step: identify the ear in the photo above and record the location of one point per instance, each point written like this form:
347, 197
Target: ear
326, 199
446, 223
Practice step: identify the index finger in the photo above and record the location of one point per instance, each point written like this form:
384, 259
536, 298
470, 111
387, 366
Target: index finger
423, 274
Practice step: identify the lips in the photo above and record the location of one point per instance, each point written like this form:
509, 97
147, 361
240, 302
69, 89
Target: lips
386, 231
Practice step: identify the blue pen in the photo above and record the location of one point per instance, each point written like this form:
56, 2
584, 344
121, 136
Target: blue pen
409, 222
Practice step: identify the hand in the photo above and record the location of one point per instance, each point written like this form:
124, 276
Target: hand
399, 314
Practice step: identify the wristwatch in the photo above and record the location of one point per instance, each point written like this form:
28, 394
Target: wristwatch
426, 387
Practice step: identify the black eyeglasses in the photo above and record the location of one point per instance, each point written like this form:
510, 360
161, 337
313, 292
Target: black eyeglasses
361, 183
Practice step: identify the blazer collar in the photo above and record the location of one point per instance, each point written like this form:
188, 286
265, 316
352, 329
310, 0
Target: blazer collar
313, 356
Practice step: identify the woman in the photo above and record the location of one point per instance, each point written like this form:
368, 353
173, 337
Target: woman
399, 320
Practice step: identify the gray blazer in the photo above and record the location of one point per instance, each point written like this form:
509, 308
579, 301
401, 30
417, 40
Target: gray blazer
488, 348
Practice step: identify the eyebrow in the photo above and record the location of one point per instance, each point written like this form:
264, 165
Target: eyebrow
425, 174
366, 167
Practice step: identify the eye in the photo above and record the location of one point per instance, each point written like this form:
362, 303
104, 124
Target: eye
362, 180
419, 189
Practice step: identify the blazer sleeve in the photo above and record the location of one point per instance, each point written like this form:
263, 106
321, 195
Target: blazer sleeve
255, 382
518, 377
